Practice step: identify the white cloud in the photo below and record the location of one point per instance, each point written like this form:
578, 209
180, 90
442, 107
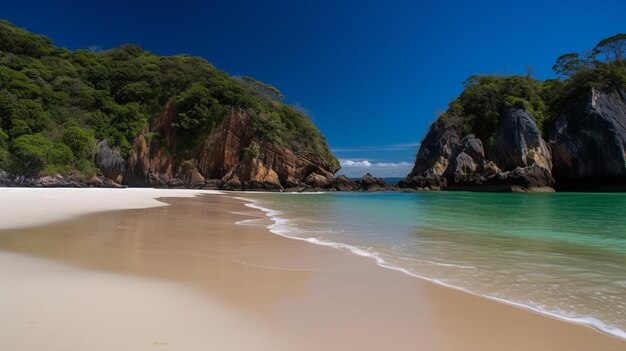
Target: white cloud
357, 168
350, 163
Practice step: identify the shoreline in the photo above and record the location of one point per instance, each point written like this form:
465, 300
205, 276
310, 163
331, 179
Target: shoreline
589, 322
355, 289
17, 204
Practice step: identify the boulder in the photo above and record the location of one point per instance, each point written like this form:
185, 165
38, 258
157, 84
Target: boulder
473, 147
523, 179
110, 162
429, 182
343, 183
315, 180
191, 178
371, 183
464, 168
5, 178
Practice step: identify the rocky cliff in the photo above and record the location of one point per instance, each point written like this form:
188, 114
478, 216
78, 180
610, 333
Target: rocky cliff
586, 148
518, 160
588, 143
234, 156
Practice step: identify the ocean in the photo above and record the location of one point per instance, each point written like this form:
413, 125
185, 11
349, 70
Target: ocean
561, 254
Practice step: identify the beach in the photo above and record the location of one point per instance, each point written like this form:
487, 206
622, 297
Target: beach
99, 270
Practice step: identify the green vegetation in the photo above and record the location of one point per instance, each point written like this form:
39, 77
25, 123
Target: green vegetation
479, 107
249, 153
485, 97
56, 103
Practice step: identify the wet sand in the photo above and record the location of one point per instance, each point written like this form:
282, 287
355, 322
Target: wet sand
186, 277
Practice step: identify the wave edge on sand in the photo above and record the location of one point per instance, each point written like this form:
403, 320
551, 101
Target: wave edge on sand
280, 226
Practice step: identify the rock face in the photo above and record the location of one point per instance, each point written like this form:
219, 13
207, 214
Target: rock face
110, 163
518, 160
588, 142
436, 149
232, 157
518, 142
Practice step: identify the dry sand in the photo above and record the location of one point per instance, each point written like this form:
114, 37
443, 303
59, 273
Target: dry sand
27, 207
185, 277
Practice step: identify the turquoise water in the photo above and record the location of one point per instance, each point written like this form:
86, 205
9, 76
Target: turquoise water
561, 254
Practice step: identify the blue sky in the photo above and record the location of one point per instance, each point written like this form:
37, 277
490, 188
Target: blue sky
372, 74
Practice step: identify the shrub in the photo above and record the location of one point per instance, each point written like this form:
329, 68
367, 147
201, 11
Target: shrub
81, 141
249, 153
34, 153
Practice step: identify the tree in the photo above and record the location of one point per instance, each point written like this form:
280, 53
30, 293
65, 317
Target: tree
81, 141
33, 154
262, 88
4, 150
568, 64
612, 47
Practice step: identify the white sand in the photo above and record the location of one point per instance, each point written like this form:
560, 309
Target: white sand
27, 207
50, 306
47, 305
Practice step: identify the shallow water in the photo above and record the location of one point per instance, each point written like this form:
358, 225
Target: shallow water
562, 254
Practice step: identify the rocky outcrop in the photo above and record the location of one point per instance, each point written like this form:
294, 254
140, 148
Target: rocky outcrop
370, 183
233, 156
57, 181
343, 183
151, 162
436, 149
518, 160
366, 183
518, 142
110, 163
318, 181
251, 174
589, 143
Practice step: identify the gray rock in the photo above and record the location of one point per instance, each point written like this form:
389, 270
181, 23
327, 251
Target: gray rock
464, 169
589, 140
343, 183
110, 162
430, 182
522, 179
438, 147
518, 142
192, 178
473, 147
518, 160
5, 178
371, 183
